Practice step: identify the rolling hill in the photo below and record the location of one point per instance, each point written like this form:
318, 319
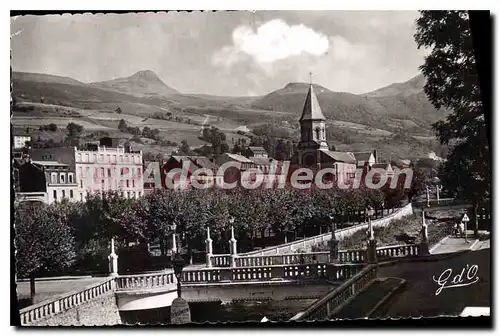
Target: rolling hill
354, 121
142, 83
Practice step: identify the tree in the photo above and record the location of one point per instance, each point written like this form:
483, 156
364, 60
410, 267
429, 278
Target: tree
184, 149
452, 83
118, 110
43, 241
122, 125
74, 130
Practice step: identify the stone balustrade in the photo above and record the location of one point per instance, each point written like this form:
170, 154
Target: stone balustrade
395, 251
145, 281
352, 256
221, 260
49, 308
325, 307
306, 243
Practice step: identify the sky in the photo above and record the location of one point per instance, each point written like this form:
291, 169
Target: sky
224, 53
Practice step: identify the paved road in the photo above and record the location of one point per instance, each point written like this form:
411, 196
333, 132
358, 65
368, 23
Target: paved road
419, 295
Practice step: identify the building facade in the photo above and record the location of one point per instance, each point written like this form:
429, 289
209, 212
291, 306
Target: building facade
100, 168
20, 140
45, 181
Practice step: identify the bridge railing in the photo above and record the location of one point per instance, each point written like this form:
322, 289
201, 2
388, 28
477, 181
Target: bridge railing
221, 260
311, 241
324, 308
62, 303
326, 271
395, 251
441, 203
145, 281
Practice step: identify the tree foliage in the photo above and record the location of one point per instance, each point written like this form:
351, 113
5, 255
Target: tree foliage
452, 83
44, 241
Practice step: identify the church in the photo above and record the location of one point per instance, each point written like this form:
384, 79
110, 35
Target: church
313, 148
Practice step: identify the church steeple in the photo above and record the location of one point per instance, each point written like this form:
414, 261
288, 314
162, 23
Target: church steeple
312, 130
311, 110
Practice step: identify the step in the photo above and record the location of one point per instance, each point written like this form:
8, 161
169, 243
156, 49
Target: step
370, 299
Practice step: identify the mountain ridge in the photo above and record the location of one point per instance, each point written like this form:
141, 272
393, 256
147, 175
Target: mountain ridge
141, 83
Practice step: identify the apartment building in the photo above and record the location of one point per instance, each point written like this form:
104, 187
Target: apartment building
107, 166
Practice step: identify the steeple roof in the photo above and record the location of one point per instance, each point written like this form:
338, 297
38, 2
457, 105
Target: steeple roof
312, 110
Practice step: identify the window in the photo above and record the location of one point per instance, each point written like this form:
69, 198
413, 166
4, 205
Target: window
102, 184
70, 177
81, 197
139, 172
81, 184
318, 136
102, 172
62, 178
127, 183
101, 157
55, 195
63, 193
109, 172
53, 178
108, 158
71, 194
133, 183
128, 194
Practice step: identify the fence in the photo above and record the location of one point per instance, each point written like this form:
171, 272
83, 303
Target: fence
325, 307
306, 243
55, 306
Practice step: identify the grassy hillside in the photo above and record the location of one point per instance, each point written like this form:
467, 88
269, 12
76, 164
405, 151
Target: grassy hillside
395, 119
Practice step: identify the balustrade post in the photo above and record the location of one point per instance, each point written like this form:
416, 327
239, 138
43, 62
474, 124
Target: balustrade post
113, 260
209, 250
233, 248
423, 247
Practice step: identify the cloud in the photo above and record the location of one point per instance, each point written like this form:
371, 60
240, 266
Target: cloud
272, 41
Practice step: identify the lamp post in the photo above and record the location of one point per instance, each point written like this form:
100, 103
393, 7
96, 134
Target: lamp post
334, 243
178, 264
372, 244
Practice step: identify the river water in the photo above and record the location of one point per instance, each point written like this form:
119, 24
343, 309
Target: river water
217, 312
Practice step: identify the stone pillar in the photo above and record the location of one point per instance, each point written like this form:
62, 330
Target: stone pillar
438, 190
174, 243
232, 248
428, 196
113, 260
423, 247
371, 252
208, 243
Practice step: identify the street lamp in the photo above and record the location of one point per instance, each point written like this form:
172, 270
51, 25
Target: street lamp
334, 243
372, 244
178, 264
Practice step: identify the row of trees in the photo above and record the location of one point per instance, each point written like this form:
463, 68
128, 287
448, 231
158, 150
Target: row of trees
53, 237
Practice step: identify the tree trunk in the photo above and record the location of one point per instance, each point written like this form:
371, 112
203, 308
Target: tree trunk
32, 288
162, 247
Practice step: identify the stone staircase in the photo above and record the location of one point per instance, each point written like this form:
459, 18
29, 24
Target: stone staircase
368, 303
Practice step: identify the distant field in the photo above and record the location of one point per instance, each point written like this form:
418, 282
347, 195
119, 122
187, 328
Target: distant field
60, 122
361, 128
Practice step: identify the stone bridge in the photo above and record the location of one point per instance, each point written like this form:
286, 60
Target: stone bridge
258, 275
272, 280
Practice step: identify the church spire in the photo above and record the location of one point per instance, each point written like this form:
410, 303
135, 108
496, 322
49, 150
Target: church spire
312, 110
